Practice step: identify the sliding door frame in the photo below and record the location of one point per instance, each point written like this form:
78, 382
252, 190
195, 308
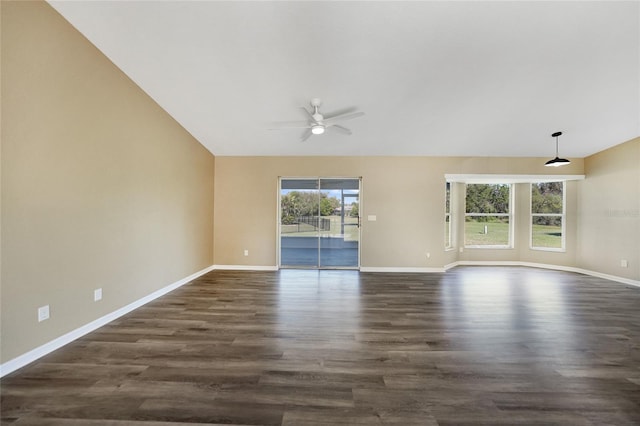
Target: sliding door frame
279, 220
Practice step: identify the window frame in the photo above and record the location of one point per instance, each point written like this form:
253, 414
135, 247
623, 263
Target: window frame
448, 230
510, 215
562, 217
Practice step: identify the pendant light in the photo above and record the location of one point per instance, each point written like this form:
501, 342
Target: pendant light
557, 162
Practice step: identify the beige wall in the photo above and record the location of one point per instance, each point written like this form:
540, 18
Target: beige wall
609, 212
405, 193
100, 187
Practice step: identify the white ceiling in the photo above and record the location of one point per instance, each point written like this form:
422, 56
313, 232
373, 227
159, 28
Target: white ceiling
434, 78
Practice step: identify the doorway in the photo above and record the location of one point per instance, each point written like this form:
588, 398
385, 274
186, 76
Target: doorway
319, 223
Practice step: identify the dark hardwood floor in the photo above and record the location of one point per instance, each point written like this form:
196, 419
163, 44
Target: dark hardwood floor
474, 346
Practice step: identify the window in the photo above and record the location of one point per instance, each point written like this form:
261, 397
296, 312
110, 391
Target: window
547, 215
488, 217
447, 217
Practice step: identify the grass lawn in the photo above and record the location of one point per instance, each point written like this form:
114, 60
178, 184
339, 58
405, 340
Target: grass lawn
547, 236
497, 234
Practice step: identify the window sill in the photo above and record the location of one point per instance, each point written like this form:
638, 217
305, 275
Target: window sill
490, 247
554, 250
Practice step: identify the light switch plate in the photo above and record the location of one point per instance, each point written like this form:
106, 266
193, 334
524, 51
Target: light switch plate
43, 313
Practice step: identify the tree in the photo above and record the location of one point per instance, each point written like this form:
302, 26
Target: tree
487, 198
354, 210
546, 197
295, 204
290, 207
328, 205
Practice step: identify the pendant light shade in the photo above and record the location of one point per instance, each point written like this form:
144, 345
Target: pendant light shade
557, 162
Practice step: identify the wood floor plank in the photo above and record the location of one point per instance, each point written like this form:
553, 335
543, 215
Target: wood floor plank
474, 346
223, 412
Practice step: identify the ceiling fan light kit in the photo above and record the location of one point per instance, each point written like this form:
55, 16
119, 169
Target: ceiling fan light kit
317, 129
557, 162
317, 123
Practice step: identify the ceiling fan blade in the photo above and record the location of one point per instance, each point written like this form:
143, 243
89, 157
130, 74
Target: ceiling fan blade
342, 111
308, 114
289, 125
343, 117
305, 135
341, 129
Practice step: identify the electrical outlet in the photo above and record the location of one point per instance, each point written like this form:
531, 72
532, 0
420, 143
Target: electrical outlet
624, 263
246, 252
461, 249
43, 313
428, 255
97, 294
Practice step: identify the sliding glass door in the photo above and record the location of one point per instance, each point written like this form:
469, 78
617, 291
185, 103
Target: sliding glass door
299, 222
319, 223
339, 242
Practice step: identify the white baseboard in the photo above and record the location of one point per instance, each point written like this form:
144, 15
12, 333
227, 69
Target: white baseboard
40, 351
629, 281
362, 268
244, 268
400, 269
615, 278
484, 263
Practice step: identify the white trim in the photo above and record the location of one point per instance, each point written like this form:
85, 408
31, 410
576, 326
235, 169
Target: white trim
629, 281
493, 178
549, 249
448, 242
34, 354
451, 265
502, 247
244, 268
485, 263
278, 219
400, 269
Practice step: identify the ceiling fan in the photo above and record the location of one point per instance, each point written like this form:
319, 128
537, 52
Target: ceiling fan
316, 123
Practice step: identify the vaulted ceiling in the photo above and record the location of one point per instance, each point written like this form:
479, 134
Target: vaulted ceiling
434, 78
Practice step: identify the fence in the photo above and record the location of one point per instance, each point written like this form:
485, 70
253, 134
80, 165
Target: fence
308, 223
